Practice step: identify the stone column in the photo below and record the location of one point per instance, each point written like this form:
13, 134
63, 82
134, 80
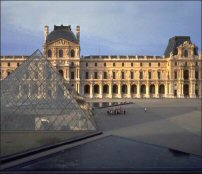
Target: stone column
180, 89
110, 90
129, 88
192, 93
200, 89
181, 74
171, 92
147, 90
91, 90
78, 88
101, 90
119, 91
138, 89
166, 89
157, 90
67, 74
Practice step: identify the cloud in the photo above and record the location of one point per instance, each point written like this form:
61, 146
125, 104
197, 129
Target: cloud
112, 25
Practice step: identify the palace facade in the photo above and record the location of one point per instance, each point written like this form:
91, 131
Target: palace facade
176, 74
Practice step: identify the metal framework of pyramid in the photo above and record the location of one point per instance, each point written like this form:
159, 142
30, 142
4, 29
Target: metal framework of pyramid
35, 97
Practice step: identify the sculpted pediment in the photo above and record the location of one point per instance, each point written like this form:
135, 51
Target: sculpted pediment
61, 42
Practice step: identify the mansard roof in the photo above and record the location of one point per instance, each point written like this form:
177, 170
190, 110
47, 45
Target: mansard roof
61, 32
174, 42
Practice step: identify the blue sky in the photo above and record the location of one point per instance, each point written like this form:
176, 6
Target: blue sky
107, 28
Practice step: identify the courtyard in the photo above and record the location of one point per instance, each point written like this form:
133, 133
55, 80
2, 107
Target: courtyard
172, 123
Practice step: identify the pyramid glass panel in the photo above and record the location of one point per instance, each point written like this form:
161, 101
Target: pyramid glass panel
36, 98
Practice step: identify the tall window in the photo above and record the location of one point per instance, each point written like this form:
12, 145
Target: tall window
185, 53
140, 64
122, 75
18, 64
114, 75
95, 64
149, 64
105, 75
72, 53
141, 75
87, 76
149, 75
60, 53
9, 64
95, 75
132, 75
196, 74
123, 64
104, 64
159, 75
131, 64
186, 74
196, 63
175, 63
175, 74
159, 64
72, 75
86, 64
114, 64
49, 53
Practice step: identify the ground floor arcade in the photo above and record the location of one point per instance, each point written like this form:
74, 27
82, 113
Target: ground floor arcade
141, 90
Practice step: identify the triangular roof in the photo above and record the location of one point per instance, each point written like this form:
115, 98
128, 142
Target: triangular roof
35, 97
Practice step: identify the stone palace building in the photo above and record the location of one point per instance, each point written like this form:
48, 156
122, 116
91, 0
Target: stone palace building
176, 74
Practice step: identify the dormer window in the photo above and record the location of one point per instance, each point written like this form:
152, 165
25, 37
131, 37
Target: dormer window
185, 53
72, 53
60, 53
49, 53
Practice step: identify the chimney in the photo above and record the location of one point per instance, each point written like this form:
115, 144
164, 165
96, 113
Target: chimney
46, 32
78, 33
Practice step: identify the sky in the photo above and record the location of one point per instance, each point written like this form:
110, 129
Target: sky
107, 27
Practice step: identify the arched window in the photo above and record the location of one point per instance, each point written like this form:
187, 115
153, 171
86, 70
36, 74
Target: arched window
161, 89
96, 89
186, 74
143, 89
185, 53
61, 72
49, 53
87, 89
60, 53
186, 90
152, 89
105, 89
115, 89
196, 75
134, 89
124, 89
72, 53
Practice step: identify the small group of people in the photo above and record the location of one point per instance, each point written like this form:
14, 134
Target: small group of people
116, 111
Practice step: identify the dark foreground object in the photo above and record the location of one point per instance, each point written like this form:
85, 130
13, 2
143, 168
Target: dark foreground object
113, 153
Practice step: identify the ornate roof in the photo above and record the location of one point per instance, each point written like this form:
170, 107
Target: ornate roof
61, 32
174, 42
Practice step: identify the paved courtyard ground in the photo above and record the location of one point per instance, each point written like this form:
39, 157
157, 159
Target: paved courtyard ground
173, 123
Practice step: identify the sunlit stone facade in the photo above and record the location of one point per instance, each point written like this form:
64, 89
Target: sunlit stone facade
176, 74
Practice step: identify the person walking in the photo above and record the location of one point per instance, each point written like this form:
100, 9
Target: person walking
145, 109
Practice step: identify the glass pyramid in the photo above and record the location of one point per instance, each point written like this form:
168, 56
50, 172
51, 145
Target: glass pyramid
35, 97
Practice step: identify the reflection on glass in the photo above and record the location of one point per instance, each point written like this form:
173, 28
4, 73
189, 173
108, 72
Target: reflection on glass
44, 103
